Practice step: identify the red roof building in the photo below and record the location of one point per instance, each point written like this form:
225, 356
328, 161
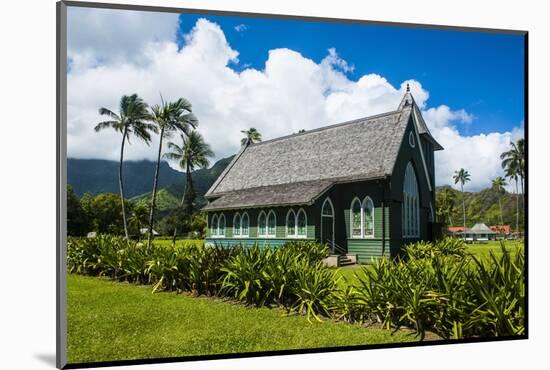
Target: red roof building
502, 229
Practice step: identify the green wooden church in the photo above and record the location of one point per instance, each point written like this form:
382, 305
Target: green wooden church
365, 187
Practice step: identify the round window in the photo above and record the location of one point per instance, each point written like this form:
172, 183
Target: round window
411, 139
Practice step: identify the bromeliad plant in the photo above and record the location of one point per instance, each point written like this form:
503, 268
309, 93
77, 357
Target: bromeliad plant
434, 287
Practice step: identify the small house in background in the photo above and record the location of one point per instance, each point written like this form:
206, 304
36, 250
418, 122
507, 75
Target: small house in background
502, 231
479, 232
454, 231
365, 187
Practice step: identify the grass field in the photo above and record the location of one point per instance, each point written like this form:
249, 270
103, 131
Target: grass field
114, 321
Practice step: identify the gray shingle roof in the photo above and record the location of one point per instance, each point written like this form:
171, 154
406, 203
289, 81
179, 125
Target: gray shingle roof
480, 229
276, 195
361, 148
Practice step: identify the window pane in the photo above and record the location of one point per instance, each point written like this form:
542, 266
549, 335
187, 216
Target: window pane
271, 224
356, 219
237, 225
327, 209
244, 224
262, 224
291, 224
214, 226
369, 218
302, 227
221, 229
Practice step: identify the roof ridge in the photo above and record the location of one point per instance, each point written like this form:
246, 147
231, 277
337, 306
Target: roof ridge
322, 128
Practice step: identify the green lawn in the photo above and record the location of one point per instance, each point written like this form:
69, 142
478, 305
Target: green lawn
115, 321
483, 250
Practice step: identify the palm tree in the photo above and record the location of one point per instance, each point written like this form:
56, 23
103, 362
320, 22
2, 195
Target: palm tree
251, 136
192, 154
131, 120
462, 176
512, 172
168, 117
498, 185
446, 200
516, 156
513, 163
139, 218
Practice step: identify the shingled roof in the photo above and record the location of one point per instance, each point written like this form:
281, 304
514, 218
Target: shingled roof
296, 169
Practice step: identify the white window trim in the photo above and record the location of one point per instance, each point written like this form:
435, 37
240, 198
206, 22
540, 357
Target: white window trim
291, 212
259, 217
363, 203
356, 199
240, 225
411, 205
298, 236
296, 214
267, 224
242, 229
214, 226
331, 216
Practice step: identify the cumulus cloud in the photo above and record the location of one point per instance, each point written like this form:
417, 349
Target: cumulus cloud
105, 36
291, 93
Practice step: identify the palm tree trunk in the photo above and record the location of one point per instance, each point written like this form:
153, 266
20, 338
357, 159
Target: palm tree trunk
188, 195
517, 207
500, 206
121, 184
154, 195
463, 211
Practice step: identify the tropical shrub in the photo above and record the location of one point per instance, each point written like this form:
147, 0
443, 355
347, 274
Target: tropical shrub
452, 247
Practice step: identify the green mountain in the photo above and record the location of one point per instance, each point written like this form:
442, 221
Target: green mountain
169, 197
482, 206
100, 176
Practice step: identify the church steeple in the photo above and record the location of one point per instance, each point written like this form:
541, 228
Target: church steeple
407, 100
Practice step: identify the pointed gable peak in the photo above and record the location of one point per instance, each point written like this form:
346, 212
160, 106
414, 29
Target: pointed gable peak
408, 100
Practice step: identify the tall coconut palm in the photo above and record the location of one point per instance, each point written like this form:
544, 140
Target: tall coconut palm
513, 163
131, 120
515, 157
169, 117
191, 155
251, 136
498, 185
462, 176
512, 172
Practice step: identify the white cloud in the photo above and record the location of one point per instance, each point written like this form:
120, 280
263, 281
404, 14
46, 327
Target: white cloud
240, 27
291, 93
112, 36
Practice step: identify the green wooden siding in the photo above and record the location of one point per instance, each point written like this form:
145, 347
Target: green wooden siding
249, 242
373, 247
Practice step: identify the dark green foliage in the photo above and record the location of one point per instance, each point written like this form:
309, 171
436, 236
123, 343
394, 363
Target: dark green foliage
451, 247
446, 293
77, 217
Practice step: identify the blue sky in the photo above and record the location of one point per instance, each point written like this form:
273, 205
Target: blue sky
482, 73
